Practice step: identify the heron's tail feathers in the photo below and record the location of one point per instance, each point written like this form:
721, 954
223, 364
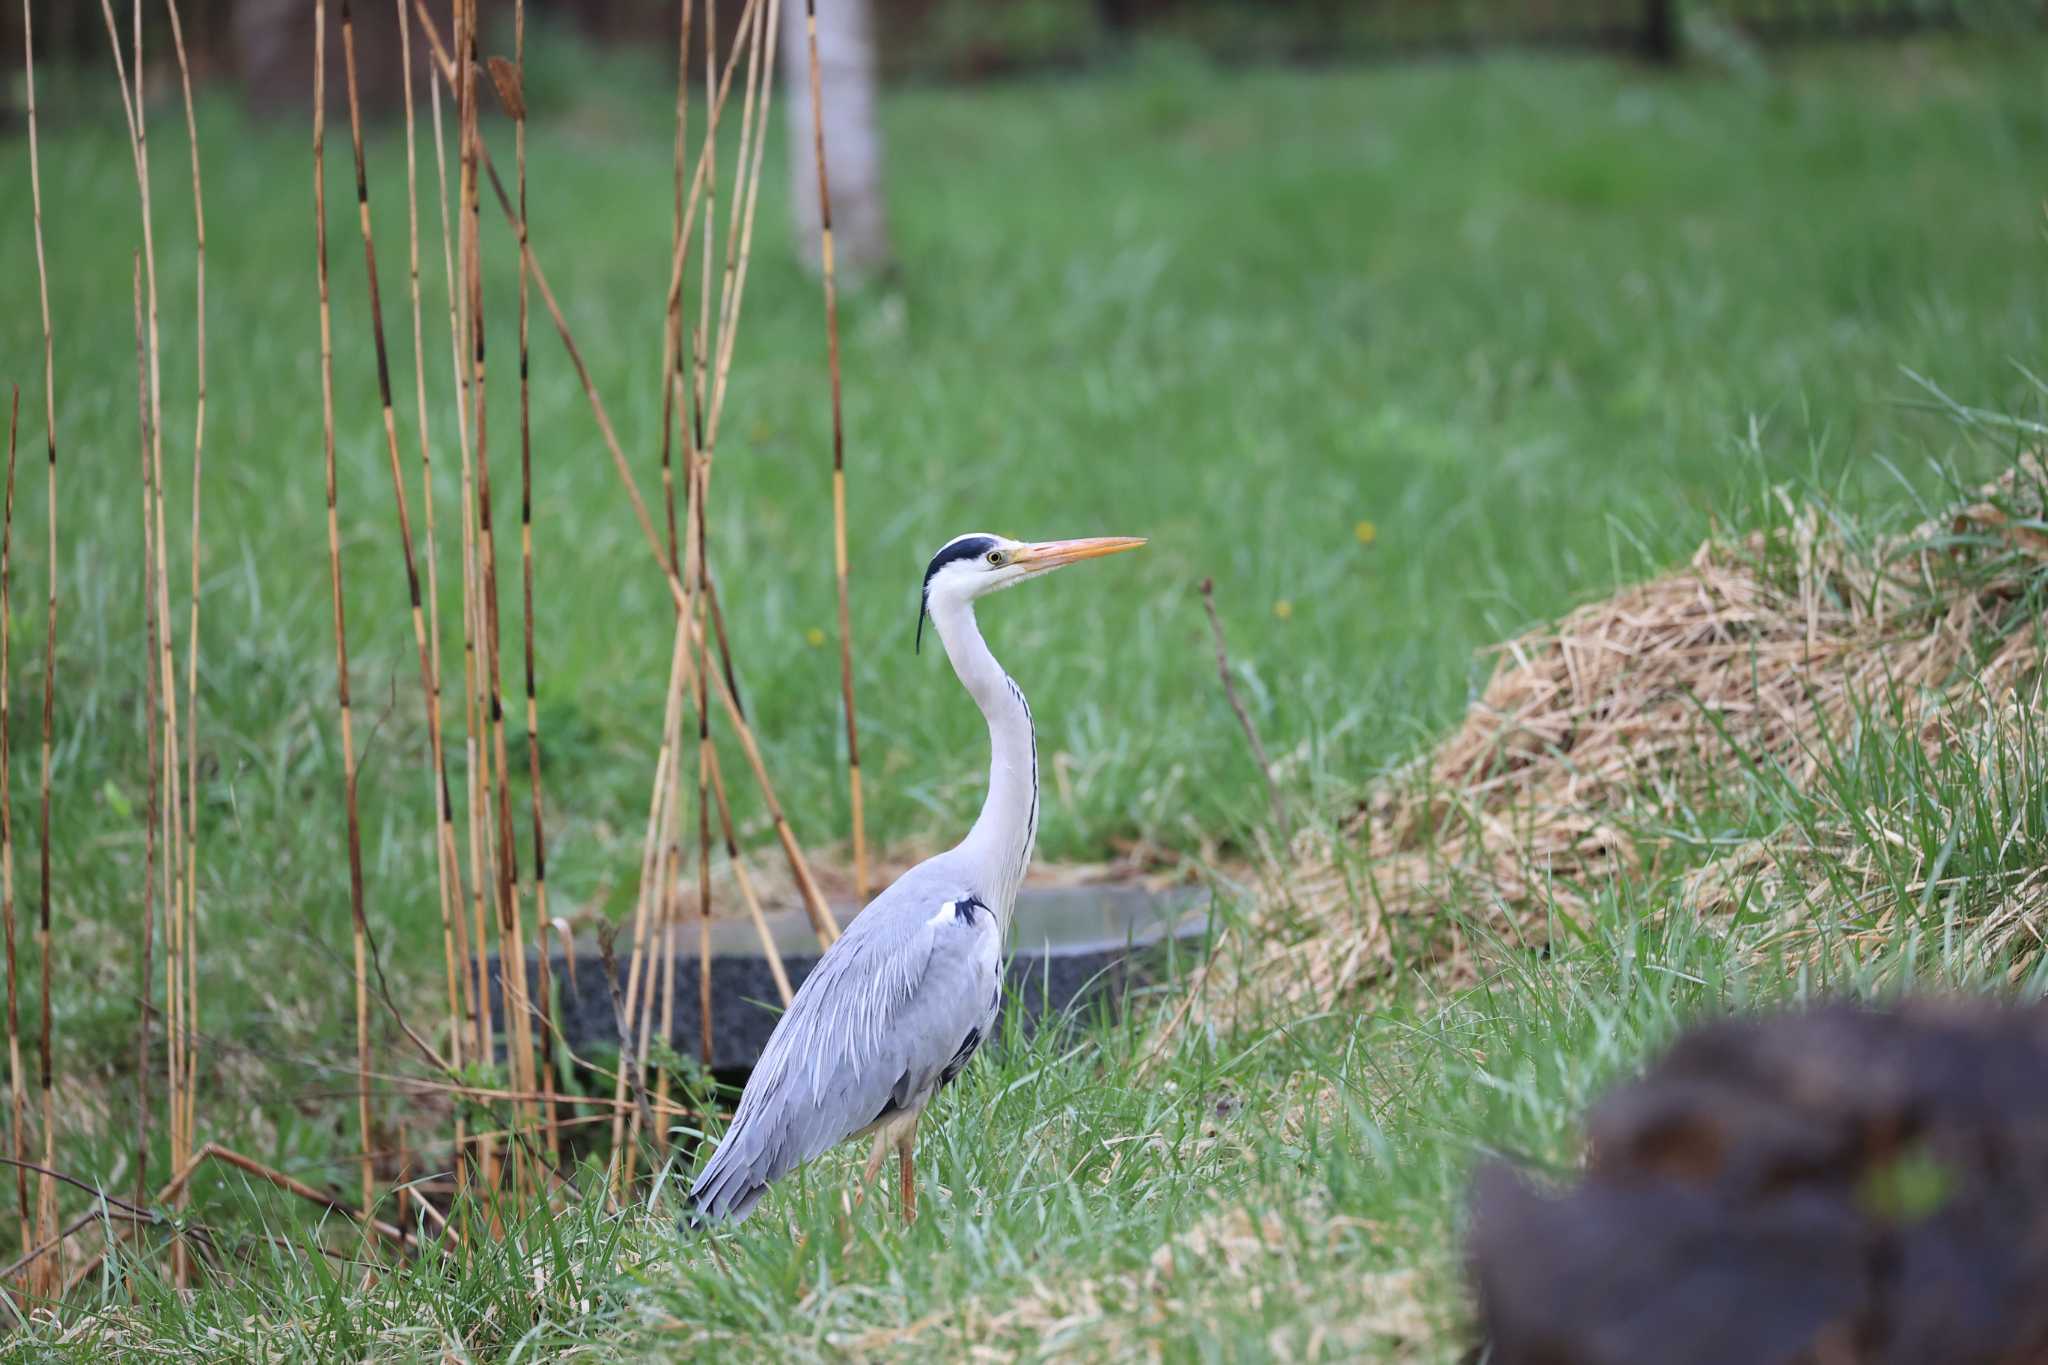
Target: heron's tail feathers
724, 1206
727, 1189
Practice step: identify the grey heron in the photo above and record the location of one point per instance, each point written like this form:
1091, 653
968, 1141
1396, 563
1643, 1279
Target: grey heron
898, 1005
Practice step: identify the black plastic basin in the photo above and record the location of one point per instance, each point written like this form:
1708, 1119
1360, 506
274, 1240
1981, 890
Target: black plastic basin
1075, 947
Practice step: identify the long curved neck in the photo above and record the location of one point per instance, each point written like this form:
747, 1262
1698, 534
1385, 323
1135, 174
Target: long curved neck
1001, 841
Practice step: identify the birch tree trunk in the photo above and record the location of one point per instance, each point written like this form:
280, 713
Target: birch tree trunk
853, 139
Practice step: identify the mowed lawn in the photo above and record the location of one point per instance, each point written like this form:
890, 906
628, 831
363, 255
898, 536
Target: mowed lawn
1402, 358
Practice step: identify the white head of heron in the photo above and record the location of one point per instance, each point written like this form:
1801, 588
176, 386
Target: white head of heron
978, 563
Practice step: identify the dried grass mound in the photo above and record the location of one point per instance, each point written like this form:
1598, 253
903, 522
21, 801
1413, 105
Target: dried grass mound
1859, 1186
1852, 876
1593, 730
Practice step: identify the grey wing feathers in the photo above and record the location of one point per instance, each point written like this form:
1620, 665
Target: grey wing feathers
873, 1028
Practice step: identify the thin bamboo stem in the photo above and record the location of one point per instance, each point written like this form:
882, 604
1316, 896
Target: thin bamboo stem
821, 913
511, 947
769, 950
672, 329
476, 974
348, 759
704, 183
299, 1188
663, 776
738, 256
671, 415
444, 851
839, 568
475, 780
707, 756
671, 894
46, 1198
447, 862
17, 1093
693, 607
654, 900
533, 753
191, 789
731, 286
471, 965
707, 171
149, 729
156, 582
176, 1188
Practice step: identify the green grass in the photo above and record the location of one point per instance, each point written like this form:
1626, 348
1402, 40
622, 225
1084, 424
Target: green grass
1534, 321
1292, 1191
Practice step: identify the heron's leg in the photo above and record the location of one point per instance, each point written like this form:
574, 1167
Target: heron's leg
906, 1167
874, 1166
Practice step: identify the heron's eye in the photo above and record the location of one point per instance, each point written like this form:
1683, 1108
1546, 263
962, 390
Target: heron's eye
995, 557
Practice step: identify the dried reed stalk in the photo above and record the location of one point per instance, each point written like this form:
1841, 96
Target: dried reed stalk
671, 365
661, 795
704, 181
465, 330
656, 899
533, 752
511, 945
672, 416
859, 816
705, 186
270, 1175
46, 1190
348, 753
360, 1214
444, 851
512, 983
606, 932
707, 178
709, 773
18, 1107
738, 254
154, 792
1244, 718
191, 790
180, 954
757, 25
179, 1184
417, 1085
814, 899
694, 610
469, 928
460, 77
748, 897
707, 756
447, 862
740, 233
671, 874
469, 977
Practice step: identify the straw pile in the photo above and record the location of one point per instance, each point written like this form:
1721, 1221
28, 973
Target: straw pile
1595, 733
1851, 877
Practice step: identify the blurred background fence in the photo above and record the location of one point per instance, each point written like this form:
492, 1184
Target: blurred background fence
266, 44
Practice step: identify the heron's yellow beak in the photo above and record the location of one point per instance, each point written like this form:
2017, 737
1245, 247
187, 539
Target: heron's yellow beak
1052, 554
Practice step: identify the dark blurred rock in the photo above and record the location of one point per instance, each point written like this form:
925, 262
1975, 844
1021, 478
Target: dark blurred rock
1845, 1187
